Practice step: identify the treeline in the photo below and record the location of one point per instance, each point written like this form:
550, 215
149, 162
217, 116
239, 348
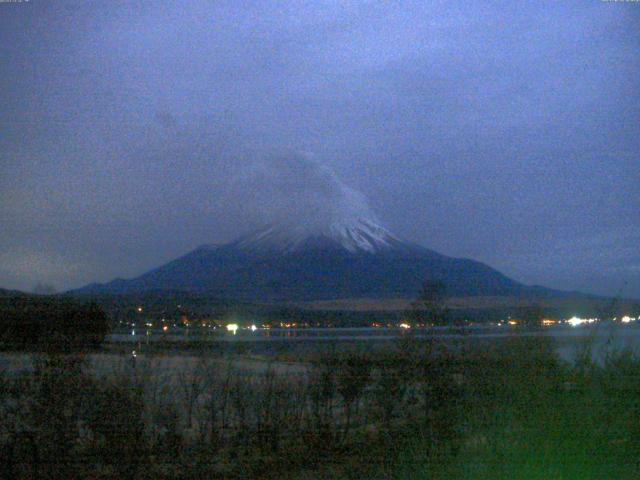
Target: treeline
46, 323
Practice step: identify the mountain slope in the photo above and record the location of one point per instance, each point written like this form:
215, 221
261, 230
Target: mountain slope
357, 258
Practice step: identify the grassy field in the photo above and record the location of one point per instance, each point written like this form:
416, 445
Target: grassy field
417, 409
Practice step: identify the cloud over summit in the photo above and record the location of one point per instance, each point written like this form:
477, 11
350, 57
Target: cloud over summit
294, 189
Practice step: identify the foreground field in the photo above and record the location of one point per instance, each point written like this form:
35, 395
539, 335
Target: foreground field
417, 409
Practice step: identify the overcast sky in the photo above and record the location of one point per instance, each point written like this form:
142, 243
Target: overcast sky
508, 132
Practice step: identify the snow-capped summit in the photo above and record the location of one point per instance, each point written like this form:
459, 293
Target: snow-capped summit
339, 259
316, 210
330, 246
354, 235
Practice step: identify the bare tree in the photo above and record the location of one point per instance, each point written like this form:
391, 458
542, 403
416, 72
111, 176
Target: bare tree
430, 309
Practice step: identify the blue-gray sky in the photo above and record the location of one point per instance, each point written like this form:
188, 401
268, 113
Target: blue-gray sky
131, 132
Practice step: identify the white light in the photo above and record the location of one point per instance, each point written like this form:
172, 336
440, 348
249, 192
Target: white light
253, 328
405, 325
627, 319
575, 321
133, 332
232, 327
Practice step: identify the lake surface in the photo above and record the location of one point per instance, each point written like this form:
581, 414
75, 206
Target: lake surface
570, 342
601, 338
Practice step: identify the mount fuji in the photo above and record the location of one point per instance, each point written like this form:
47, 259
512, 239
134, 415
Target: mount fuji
347, 257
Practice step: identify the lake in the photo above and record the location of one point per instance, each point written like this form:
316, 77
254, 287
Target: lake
602, 337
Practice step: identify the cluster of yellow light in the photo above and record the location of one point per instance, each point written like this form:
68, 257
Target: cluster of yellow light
405, 325
232, 327
165, 328
288, 325
627, 319
513, 322
548, 321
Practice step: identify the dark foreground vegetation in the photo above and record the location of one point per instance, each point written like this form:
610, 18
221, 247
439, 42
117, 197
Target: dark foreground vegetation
52, 324
419, 410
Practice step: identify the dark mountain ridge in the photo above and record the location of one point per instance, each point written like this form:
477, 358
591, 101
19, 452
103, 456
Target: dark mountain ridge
356, 259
